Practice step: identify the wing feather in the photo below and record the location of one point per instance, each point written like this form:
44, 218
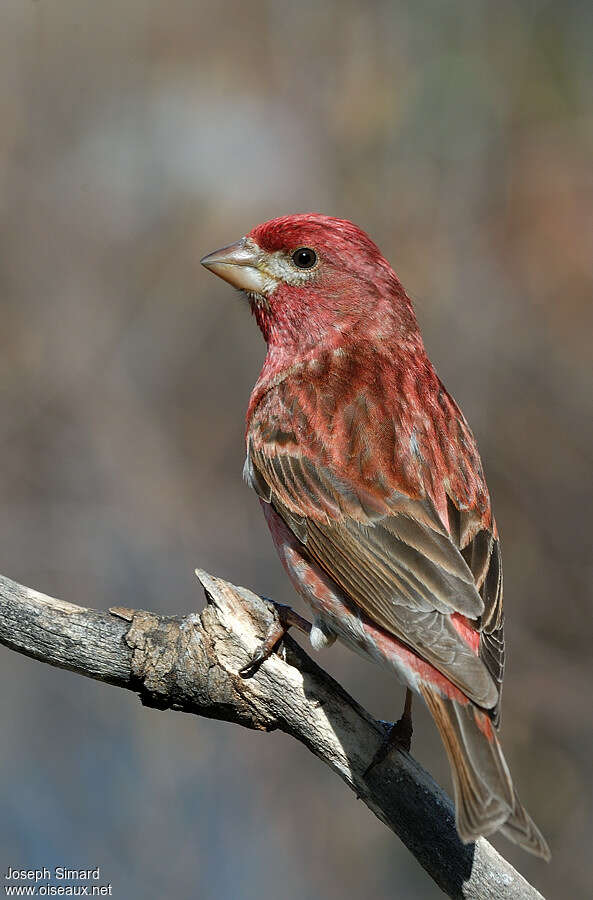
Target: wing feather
372, 520
403, 575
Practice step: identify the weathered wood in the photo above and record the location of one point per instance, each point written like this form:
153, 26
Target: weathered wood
192, 663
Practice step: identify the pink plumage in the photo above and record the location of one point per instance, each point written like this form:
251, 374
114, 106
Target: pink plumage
374, 492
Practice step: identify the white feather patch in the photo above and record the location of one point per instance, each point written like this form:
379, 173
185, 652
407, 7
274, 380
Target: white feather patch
321, 635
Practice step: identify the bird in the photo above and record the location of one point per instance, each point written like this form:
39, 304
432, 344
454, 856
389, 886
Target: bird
373, 489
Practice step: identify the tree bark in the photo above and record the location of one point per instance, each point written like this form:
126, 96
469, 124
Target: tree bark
191, 663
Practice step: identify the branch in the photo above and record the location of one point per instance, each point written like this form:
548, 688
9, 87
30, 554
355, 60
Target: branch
191, 663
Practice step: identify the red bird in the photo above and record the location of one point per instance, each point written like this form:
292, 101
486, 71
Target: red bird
373, 489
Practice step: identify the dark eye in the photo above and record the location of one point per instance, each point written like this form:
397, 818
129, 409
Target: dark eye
304, 258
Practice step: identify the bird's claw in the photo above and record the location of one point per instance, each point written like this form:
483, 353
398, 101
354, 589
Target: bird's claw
284, 618
254, 663
398, 738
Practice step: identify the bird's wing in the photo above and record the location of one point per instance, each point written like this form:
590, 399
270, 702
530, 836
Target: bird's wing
390, 552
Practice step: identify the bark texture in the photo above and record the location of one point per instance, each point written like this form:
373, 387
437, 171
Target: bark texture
191, 663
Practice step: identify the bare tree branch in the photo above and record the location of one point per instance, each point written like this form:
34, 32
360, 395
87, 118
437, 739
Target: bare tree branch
191, 663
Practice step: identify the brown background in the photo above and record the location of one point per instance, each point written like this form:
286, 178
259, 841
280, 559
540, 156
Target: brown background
134, 138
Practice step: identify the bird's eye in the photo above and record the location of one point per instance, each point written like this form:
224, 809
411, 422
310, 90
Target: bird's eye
304, 258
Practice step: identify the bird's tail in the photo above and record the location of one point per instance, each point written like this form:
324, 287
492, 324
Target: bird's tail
485, 799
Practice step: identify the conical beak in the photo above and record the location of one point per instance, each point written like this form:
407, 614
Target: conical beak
239, 264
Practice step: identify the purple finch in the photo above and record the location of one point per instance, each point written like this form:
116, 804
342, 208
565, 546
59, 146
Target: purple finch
373, 489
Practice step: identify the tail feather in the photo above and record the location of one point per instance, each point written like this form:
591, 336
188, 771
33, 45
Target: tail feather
485, 799
521, 829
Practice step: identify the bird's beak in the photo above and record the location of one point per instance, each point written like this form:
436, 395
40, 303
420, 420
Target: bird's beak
239, 264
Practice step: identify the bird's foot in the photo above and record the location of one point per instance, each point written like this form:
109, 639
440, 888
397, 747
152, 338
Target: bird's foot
399, 737
284, 618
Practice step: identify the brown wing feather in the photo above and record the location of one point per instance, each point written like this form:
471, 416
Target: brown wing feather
492, 650
483, 556
402, 574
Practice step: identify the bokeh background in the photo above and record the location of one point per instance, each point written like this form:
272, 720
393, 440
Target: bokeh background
135, 136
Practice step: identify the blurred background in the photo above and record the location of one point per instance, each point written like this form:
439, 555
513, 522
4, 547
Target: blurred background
137, 136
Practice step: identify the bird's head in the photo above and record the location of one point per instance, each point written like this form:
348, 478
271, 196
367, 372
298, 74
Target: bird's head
311, 277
